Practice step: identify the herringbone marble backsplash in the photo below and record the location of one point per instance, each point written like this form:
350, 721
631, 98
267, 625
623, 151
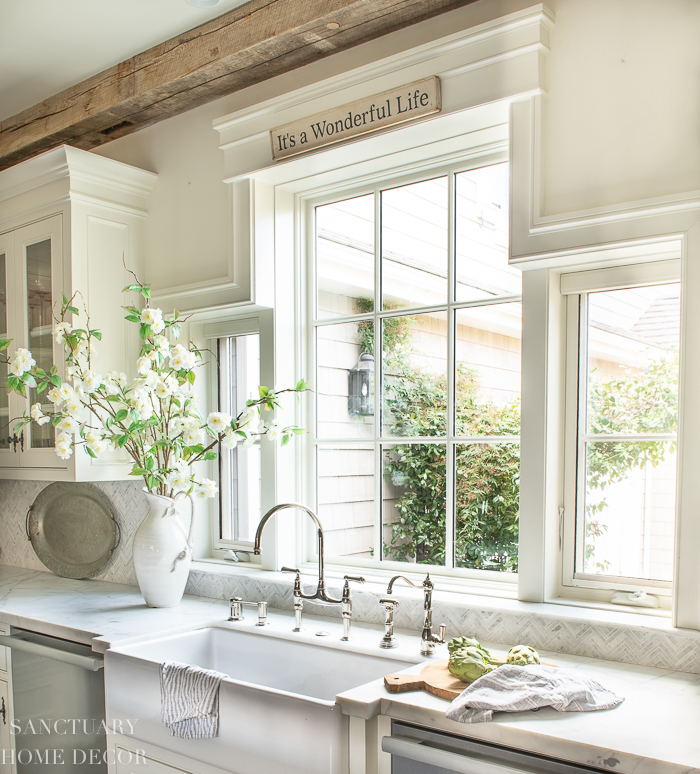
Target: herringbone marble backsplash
474, 616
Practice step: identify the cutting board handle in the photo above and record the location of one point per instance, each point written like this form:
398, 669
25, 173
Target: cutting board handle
402, 683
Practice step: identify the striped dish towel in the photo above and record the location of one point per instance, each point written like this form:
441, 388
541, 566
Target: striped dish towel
517, 688
189, 700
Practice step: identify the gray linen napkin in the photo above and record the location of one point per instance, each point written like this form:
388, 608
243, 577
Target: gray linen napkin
189, 700
517, 688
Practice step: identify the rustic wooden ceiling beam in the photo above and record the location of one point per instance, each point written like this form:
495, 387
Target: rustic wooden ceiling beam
250, 44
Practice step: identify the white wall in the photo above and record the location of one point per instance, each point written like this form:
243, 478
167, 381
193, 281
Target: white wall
623, 112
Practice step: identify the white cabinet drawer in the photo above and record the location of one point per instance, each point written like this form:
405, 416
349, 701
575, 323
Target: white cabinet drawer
131, 762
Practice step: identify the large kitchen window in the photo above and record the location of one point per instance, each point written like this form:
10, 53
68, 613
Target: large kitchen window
416, 329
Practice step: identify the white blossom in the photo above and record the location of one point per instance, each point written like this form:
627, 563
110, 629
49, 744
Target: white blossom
230, 439
66, 392
218, 422
143, 364
181, 359
22, 361
91, 381
64, 445
206, 489
249, 441
157, 326
38, 415
54, 395
149, 316
59, 330
67, 425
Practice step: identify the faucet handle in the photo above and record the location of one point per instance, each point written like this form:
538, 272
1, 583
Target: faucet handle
356, 578
290, 569
441, 636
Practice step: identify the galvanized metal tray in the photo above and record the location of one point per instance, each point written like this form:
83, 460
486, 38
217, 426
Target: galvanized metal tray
72, 529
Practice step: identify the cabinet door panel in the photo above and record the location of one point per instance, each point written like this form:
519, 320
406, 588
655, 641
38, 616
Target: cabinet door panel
38, 252
7, 745
8, 456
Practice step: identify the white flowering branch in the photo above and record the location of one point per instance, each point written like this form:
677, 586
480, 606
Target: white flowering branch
154, 418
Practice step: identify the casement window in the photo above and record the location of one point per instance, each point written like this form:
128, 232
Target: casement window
416, 441
239, 468
623, 339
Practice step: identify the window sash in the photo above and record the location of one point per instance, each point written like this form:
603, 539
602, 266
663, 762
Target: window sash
576, 286
450, 440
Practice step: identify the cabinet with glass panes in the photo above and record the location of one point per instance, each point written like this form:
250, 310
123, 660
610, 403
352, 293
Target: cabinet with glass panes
70, 222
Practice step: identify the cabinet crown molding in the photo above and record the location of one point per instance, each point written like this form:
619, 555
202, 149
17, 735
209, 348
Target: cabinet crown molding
67, 172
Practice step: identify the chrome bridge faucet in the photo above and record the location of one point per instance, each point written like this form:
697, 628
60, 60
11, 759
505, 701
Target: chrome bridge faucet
428, 640
321, 594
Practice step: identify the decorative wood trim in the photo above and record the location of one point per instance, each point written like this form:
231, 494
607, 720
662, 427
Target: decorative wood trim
245, 46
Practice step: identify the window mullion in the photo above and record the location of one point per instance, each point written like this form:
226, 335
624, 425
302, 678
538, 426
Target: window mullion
378, 380
450, 492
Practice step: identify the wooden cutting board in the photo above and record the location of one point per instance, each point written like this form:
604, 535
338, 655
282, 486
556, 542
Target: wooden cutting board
433, 678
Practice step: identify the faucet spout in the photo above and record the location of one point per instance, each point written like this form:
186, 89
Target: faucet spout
321, 588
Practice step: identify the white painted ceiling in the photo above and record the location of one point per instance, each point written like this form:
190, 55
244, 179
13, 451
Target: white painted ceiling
48, 45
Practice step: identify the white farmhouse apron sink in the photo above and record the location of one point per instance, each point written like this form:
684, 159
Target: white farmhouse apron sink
277, 711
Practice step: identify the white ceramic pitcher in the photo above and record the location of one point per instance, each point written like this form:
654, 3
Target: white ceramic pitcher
163, 550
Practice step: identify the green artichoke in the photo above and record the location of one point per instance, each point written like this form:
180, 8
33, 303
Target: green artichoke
468, 663
521, 655
462, 642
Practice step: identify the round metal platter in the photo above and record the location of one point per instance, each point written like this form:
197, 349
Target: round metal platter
72, 529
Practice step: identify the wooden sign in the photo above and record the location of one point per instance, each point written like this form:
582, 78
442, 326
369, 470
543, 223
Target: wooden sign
366, 116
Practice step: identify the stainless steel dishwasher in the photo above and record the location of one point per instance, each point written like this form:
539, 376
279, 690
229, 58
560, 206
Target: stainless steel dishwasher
416, 750
59, 704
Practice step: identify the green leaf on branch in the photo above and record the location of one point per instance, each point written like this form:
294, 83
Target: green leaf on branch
55, 420
176, 330
133, 318
285, 440
73, 310
97, 335
302, 385
42, 387
90, 452
152, 482
264, 391
4, 344
190, 377
121, 415
145, 331
29, 380
122, 440
55, 379
136, 471
11, 382
210, 455
298, 430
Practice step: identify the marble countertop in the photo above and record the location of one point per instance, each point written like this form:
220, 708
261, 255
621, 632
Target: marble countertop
94, 612
652, 732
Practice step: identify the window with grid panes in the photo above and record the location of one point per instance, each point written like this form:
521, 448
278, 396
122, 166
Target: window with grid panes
416, 327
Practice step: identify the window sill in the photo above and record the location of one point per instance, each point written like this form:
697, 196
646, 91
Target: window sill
456, 596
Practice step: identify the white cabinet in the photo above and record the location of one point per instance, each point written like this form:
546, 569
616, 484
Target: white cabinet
7, 739
70, 221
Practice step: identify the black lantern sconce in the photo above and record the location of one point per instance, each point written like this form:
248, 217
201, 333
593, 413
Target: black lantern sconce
361, 387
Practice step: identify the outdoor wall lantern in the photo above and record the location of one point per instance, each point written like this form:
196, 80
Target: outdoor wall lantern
361, 387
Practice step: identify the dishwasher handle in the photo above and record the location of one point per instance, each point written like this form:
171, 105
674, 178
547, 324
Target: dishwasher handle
416, 750
91, 663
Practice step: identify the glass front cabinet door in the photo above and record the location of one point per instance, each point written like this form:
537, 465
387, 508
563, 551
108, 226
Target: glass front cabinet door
30, 296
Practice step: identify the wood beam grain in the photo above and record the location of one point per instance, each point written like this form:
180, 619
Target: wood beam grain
250, 44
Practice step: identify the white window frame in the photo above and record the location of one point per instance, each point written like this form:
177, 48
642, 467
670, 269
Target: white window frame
501, 582
573, 286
